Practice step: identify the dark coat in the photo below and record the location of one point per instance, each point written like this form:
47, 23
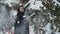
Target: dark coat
19, 18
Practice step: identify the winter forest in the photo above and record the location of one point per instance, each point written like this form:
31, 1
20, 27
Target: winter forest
43, 16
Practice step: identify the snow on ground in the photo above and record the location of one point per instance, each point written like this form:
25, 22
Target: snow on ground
47, 28
31, 29
57, 32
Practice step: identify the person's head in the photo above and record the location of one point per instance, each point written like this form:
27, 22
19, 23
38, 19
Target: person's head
21, 9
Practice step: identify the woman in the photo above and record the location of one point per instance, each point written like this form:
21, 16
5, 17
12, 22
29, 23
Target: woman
20, 26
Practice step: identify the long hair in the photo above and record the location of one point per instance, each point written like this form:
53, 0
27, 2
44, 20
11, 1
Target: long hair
19, 8
19, 11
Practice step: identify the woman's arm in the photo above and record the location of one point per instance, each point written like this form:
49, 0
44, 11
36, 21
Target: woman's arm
27, 4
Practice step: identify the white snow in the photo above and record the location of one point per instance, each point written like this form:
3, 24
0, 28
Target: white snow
11, 1
36, 5
56, 2
13, 12
44, 8
31, 29
47, 28
57, 32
